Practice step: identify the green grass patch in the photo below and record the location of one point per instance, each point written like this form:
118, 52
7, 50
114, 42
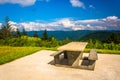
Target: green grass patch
103, 51
49, 48
8, 54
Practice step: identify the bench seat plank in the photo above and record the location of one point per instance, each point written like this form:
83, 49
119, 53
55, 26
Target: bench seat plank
93, 55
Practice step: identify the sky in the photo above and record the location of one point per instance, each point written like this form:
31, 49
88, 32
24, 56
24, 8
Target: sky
61, 14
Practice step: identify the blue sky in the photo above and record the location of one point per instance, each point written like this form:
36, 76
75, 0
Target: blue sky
62, 14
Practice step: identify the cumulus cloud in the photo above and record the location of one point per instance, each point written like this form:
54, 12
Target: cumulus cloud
21, 2
66, 24
77, 3
0, 25
112, 18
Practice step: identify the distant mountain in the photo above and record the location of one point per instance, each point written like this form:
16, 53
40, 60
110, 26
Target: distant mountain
72, 35
78, 35
99, 35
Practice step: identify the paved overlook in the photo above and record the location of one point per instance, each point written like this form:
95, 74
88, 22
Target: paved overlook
38, 66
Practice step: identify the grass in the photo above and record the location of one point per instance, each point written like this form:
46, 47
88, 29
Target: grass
103, 51
8, 53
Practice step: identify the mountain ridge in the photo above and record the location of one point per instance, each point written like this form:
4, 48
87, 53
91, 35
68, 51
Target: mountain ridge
78, 35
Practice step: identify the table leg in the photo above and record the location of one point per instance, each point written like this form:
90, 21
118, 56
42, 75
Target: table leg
65, 55
56, 59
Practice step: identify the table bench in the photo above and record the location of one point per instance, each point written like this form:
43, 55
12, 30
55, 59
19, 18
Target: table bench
92, 59
89, 62
93, 55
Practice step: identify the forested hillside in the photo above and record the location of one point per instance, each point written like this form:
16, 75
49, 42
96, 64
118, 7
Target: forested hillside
99, 35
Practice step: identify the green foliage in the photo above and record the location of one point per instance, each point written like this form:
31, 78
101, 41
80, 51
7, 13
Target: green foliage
104, 51
99, 45
101, 36
91, 44
6, 30
45, 35
114, 38
65, 41
22, 41
33, 41
53, 42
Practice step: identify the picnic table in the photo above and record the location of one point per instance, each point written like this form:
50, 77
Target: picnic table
71, 52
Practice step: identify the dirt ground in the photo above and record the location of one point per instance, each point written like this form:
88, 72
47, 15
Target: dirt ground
37, 67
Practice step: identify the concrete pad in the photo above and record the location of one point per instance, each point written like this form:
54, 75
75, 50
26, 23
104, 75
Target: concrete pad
37, 67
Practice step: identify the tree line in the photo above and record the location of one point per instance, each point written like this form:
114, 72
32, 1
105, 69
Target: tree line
11, 37
7, 31
8, 36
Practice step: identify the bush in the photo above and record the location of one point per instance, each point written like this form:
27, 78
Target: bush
21, 41
99, 45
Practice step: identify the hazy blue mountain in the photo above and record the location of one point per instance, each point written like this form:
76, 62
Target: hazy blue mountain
77, 35
72, 35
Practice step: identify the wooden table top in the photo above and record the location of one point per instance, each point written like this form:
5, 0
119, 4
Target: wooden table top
74, 46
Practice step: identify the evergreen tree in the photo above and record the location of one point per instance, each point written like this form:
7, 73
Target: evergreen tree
18, 33
6, 29
24, 32
35, 34
45, 35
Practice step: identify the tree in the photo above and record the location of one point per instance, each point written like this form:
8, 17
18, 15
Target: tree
98, 44
53, 38
18, 33
113, 38
24, 32
45, 35
66, 40
6, 29
35, 34
91, 43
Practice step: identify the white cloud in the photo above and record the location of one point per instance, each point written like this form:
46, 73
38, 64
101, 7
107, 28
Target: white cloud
112, 17
88, 21
77, 3
66, 24
0, 25
33, 26
21, 2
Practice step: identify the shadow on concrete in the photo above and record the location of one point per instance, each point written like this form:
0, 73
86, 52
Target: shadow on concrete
85, 63
52, 62
62, 62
